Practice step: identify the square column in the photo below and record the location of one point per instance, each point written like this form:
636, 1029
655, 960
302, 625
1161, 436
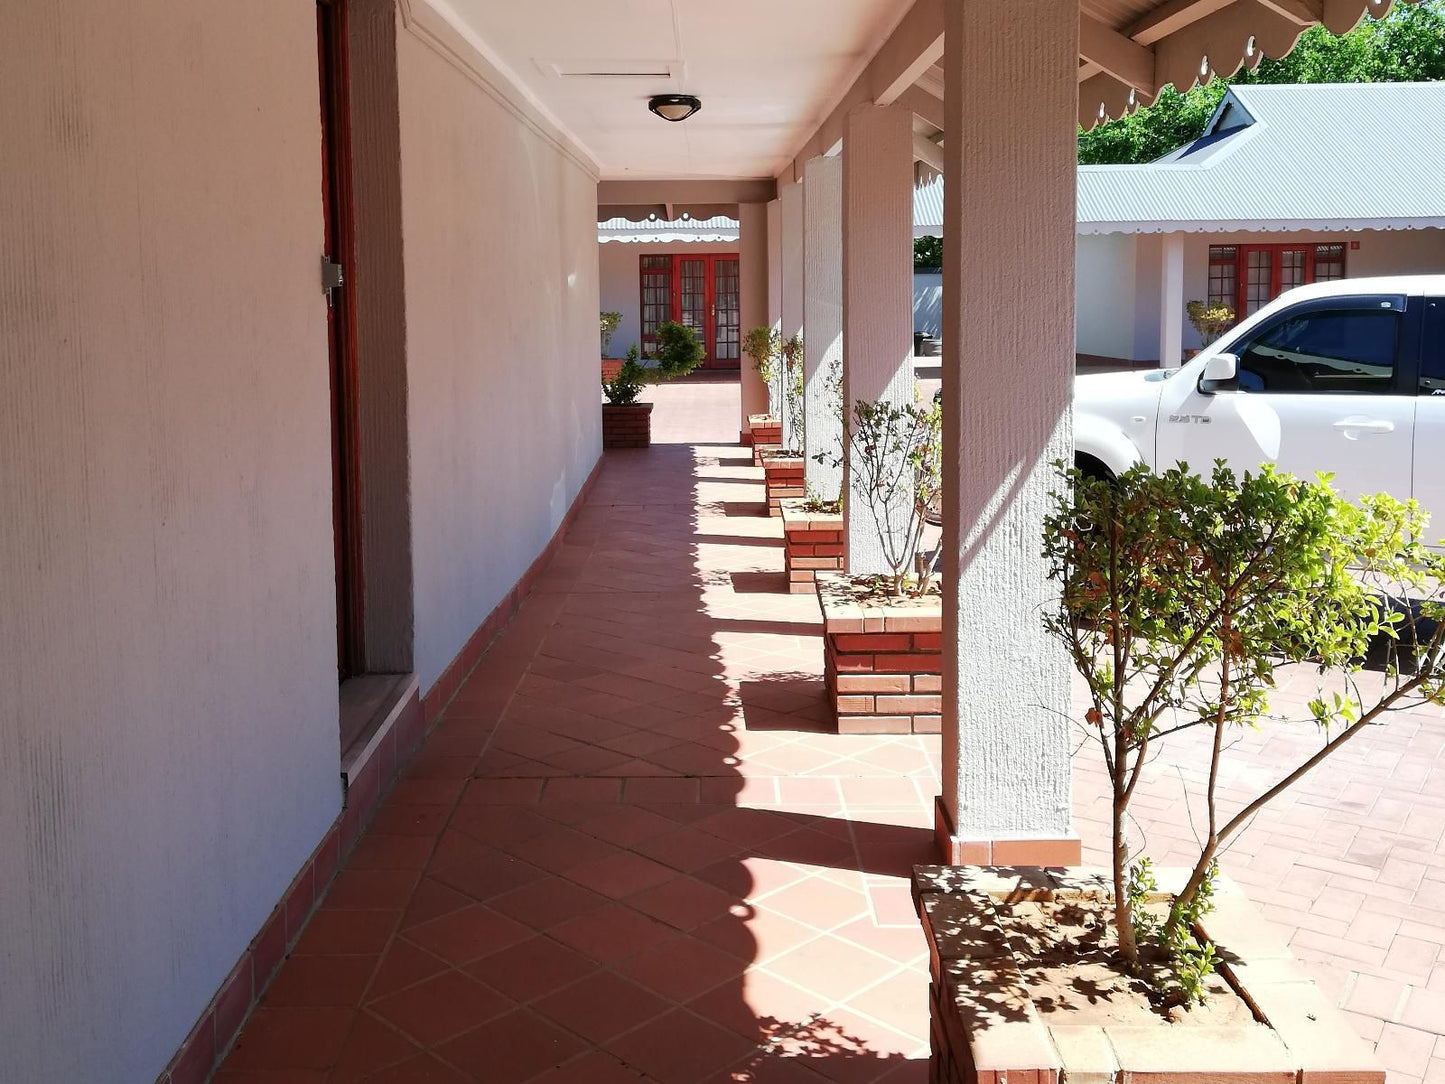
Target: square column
775, 265
790, 201
752, 299
1011, 107
1171, 303
823, 314
877, 289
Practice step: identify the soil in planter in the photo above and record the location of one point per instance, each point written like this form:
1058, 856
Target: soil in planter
1067, 952
878, 591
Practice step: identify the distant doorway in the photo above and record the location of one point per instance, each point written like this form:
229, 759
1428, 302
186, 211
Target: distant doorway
700, 291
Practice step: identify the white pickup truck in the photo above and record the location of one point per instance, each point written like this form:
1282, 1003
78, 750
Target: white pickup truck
1346, 377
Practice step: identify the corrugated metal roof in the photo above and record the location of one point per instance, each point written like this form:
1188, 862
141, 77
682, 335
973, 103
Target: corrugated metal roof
1320, 156
928, 209
658, 231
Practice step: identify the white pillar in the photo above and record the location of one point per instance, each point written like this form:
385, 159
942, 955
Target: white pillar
823, 315
1008, 279
877, 289
790, 200
1171, 303
752, 299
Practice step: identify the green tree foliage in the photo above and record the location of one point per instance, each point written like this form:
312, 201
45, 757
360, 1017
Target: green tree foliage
1408, 45
927, 253
1179, 595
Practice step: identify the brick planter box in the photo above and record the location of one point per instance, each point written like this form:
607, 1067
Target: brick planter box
765, 429
782, 479
812, 543
883, 663
987, 1028
627, 426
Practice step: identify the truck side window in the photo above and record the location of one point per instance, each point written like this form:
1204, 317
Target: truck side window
1346, 350
1432, 356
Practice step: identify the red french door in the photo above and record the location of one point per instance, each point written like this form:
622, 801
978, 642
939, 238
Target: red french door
1248, 277
700, 292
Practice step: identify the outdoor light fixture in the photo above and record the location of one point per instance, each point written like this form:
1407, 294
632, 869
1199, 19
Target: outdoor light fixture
674, 107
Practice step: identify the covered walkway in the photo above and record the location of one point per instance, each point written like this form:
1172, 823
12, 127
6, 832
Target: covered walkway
631, 850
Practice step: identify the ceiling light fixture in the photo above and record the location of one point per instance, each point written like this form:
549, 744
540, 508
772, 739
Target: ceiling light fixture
674, 107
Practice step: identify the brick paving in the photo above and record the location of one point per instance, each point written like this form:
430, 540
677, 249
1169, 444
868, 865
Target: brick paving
631, 851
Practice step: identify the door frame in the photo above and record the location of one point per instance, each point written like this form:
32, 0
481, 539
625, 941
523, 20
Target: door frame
340, 239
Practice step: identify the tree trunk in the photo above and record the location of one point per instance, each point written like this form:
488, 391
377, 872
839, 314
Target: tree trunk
1123, 908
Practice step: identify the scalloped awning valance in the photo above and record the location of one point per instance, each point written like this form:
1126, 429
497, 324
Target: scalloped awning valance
1130, 50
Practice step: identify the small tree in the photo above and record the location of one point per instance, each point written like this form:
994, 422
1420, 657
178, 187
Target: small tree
624, 388
1211, 321
1179, 597
764, 346
610, 320
791, 350
895, 470
678, 351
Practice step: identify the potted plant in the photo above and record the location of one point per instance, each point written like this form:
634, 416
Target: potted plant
627, 423
763, 345
812, 540
610, 366
1209, 320
883, 633
1178, 598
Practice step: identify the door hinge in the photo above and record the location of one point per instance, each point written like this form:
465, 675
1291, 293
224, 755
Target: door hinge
331, 276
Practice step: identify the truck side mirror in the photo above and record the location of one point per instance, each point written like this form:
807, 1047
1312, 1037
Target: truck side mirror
1220, 370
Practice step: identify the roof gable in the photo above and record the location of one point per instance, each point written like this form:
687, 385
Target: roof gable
1287, 157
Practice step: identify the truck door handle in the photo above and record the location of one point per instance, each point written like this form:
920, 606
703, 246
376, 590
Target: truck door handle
1365, 425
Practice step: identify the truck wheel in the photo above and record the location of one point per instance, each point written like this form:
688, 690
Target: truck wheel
1090, 467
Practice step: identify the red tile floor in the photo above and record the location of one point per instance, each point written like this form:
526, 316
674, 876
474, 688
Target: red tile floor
630, 852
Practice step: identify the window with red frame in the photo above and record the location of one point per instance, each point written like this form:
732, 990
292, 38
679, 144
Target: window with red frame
1248, 277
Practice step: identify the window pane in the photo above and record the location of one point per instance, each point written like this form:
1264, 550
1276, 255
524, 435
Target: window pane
1222, 284
656, 297
1258, 283
726, 342
1222, 252
1291, 269
1345, 351
694, 295
1329, 262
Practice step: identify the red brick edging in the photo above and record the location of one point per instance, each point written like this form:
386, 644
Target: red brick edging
782, 479
812, 543
221, 1021
883, 663
1297, 1036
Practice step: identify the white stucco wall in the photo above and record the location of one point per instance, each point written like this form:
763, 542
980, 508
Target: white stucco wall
928, 303
168, 705
501, 269
1107, 295
619, 267
1119, 274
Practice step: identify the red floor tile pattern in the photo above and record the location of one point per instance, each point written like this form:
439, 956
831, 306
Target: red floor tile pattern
630, 852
